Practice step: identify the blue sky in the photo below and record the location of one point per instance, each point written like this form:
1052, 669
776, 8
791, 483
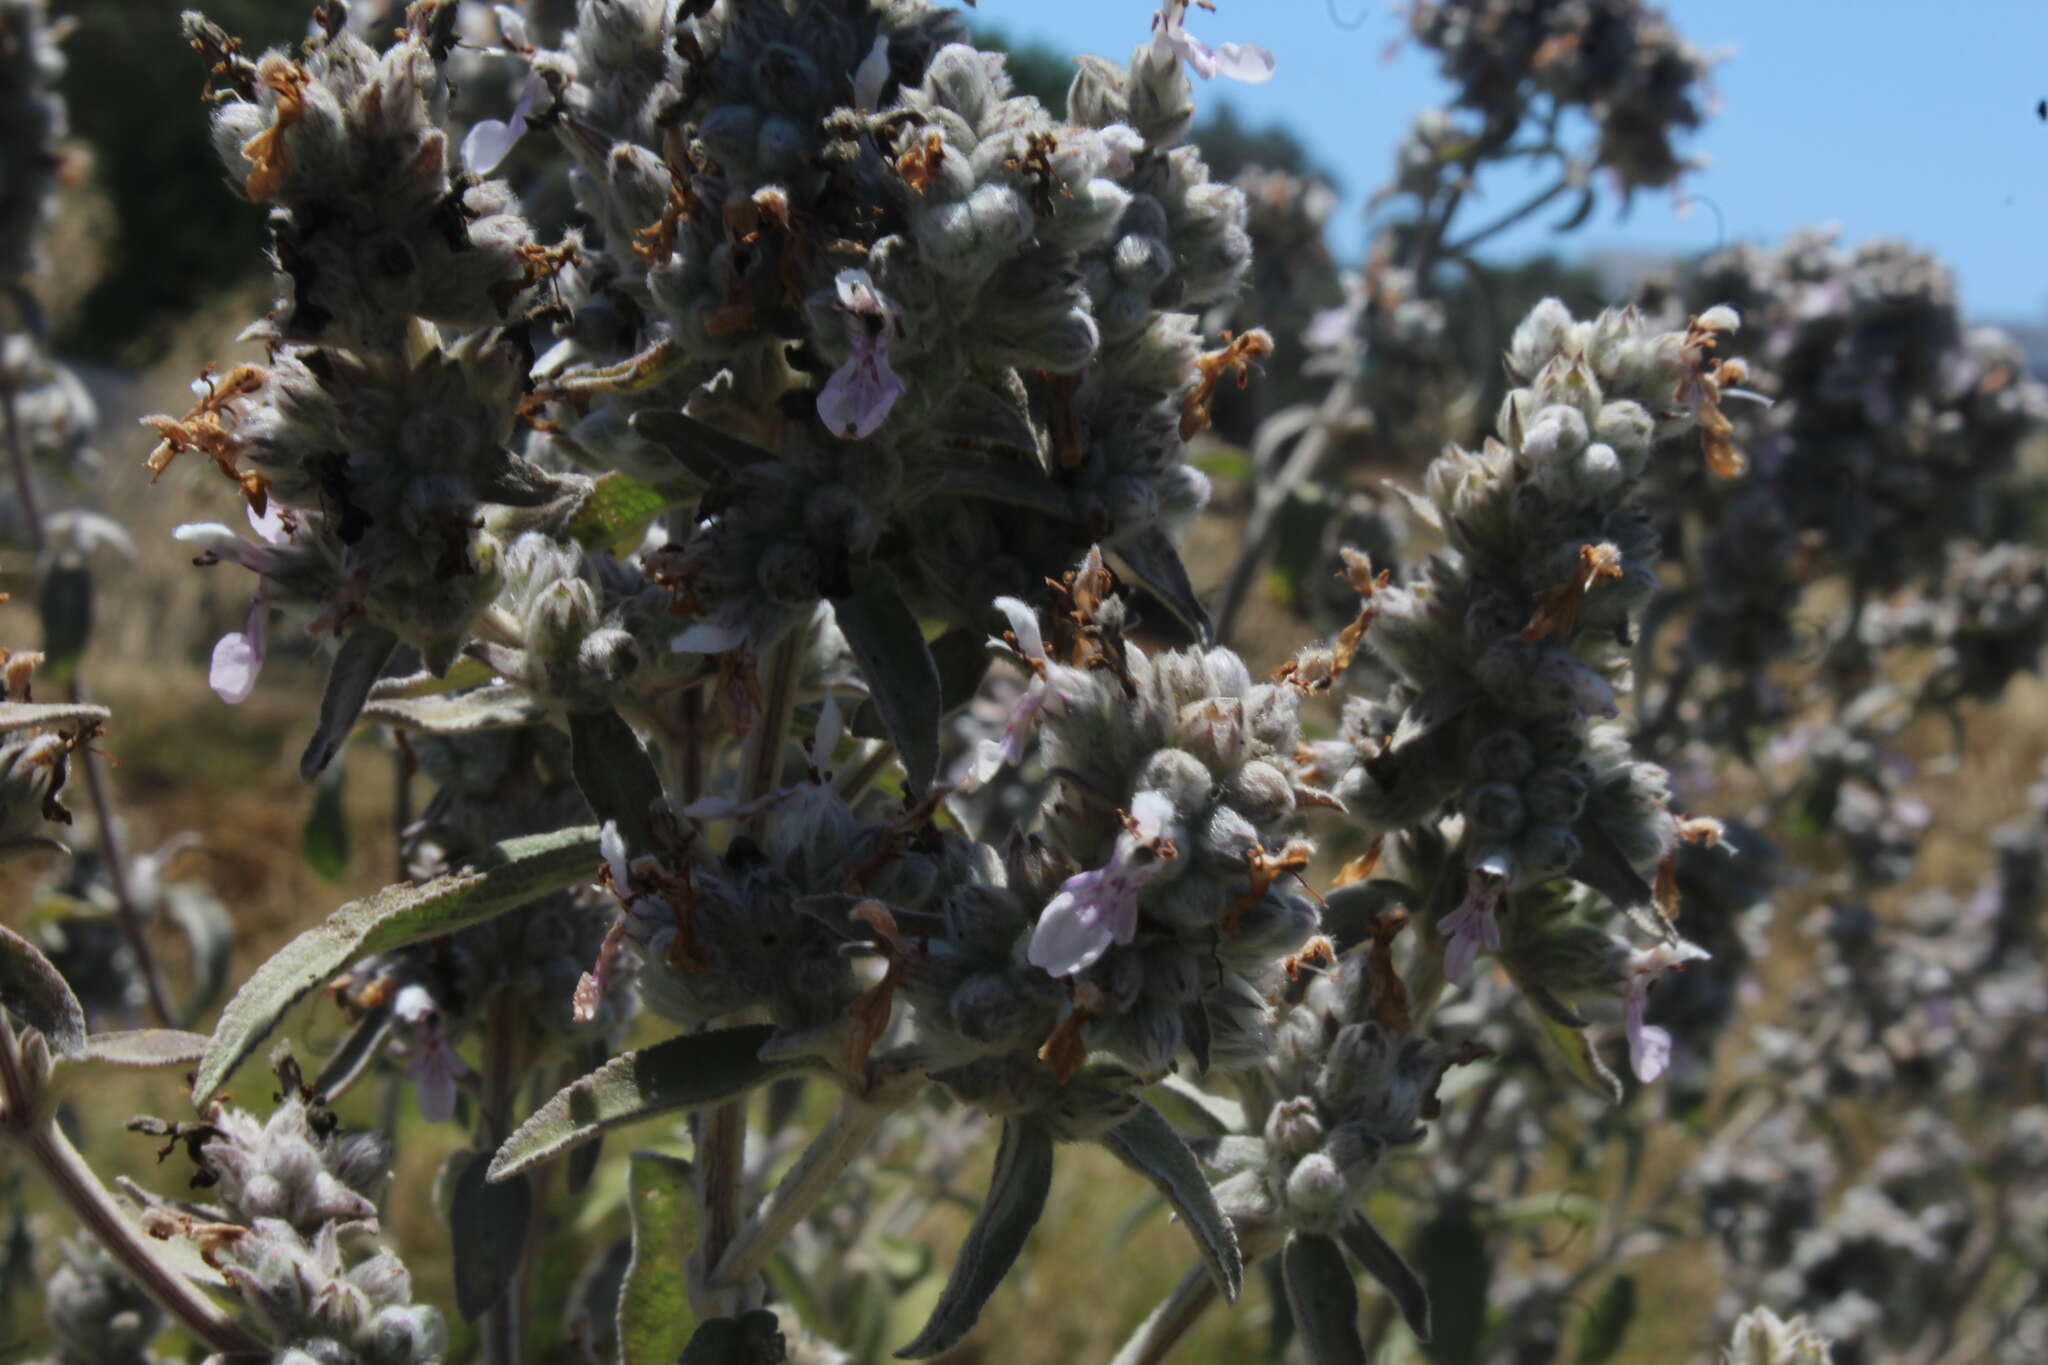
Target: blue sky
1907, 118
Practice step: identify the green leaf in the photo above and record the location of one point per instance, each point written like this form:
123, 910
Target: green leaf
1606, 1326
488, 1222
1451, 1256
1147, 1143
1370, 1248
505, 877
22, 715
897, 665
616, 514
323, 838
1323, 1300
1016, 1197
686, 1072
615, 775
37, 994
356, 665
1195, 1110
146, 1047
655, 1321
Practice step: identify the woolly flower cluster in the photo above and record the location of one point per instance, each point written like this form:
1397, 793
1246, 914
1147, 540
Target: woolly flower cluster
845, 216
1347, 1082
1510, 651
1891, 416
293, 1232
1618, 61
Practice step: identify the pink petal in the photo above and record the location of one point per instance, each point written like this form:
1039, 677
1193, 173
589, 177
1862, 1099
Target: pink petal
857, 398
238, 657
1247, 62
489, 142
1649, 1048
1071, 933
1023, 625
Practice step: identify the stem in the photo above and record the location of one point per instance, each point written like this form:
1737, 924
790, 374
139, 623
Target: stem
24, 477
95, 781
1306, 459
843, 1138
129, 914
503, 1328
1178, 1312
1158, 1334
721, 1153
761, 756
74, 1182
1531, 205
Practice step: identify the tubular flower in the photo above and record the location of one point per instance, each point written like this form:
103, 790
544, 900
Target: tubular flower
1098, 907
857, 398
1473, 925
1649, 1047
1171, 42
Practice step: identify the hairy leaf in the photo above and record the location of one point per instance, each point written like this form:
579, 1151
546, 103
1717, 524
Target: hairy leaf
504, 706
615, 775
1370, 1248
1016, 1196
901, 676
505, 877
686, 1072
752, 1338
146, 1047
1323, 1300
21, 715
37, 994
1154, 562
1581, 1060
655, 1321
488, 1222
1606, 1326
1451, 1256
962, 658
1147, 1143
361, 658
465, 673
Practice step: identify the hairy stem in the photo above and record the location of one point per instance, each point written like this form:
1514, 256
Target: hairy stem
125, 909
503, 1329
843, 1138
27, 1123
1176, 1314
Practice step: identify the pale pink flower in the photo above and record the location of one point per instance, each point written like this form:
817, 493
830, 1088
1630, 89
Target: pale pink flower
1172, 42
435, 1067
1474, 924
858, 396
491, 140
1649, 1047
238, 655
1096, 908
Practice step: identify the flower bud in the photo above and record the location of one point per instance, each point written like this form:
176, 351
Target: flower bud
1294, 1128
